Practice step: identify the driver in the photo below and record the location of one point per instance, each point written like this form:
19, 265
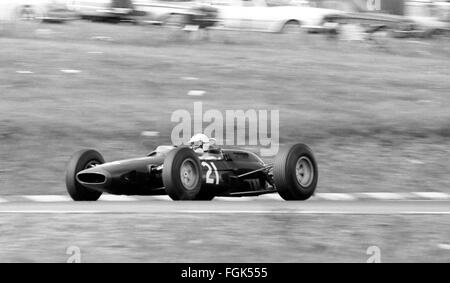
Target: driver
200, 143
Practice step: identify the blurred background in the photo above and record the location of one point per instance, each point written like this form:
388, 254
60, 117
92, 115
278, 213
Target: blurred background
364, 82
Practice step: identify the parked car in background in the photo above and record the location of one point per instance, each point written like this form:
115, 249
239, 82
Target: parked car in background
43, 10
284, 16
115, 10
393, 7
415, 18
370, 16
372, 22
175, 13
430, 17
168, 12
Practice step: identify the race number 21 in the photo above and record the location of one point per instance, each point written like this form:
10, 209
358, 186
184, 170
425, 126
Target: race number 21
211, 169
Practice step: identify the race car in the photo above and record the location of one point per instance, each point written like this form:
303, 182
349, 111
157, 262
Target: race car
200, 170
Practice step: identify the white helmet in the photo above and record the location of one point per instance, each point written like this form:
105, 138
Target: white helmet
200, 141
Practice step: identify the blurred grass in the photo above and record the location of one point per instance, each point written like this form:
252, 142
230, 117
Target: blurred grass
376, 115
223, 238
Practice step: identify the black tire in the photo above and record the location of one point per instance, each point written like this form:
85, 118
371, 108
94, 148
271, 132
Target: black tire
290, 184
205, 194
80, 161
179, 159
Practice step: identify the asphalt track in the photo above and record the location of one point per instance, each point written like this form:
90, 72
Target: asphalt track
378, 207
42, 228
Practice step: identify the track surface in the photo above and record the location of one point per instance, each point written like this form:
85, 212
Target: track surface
233, 207
224, 230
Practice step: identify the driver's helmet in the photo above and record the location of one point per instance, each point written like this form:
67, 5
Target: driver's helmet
201, 142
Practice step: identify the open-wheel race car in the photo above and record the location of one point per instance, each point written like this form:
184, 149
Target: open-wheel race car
200, 171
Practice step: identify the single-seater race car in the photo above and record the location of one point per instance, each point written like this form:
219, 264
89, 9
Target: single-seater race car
199, 171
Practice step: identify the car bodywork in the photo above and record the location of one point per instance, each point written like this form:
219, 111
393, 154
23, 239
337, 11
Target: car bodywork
228, 172
194, 173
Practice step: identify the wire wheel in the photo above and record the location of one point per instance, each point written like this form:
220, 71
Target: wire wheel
189, 175
304, 171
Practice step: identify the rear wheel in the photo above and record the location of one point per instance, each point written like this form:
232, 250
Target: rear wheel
182, 174
80, 161
295, 172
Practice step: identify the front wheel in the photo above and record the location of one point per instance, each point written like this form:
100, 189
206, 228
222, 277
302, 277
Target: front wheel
182, 174
80, 161
295, 172
205, 194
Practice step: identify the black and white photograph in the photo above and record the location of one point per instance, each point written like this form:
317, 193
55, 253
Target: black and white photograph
235, 132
